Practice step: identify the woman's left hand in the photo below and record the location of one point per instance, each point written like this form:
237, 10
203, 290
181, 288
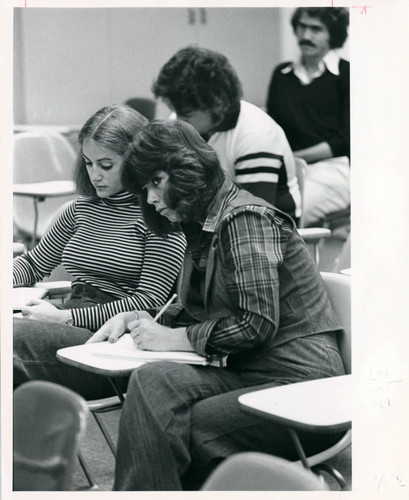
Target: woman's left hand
42, 310
151, 336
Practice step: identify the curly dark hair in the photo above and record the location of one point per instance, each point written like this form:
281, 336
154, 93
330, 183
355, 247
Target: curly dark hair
336, 19
196, 78
114, 128
195, 174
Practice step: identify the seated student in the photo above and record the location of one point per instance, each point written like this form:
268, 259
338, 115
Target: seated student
250, 291
309, 98
102, 240
204, 90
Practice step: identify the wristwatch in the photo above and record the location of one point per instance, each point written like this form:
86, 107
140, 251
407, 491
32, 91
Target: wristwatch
70, 320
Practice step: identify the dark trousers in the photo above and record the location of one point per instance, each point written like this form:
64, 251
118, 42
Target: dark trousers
35, 344
179, 421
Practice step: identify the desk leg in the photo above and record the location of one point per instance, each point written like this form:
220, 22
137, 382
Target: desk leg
34, 236
104, 432
100, 423
299, 448
84, 467
117, 390
36, 200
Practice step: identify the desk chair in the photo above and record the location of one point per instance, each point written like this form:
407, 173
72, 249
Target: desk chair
18, 249
42, 171
313, 236
251, 471
343, 261
49, 422
339, 222
338, 287
144, 106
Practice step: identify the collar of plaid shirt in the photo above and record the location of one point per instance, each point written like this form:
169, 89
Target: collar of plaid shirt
227, 192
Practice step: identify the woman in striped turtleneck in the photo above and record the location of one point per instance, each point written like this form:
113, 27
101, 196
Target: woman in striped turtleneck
117, 264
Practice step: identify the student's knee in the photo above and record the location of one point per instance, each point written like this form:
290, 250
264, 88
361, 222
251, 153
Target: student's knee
28, 339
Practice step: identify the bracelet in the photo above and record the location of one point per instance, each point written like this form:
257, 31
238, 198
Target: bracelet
136, 314
69, 321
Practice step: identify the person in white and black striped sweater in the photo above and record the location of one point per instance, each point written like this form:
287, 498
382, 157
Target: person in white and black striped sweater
117, 264
203, 89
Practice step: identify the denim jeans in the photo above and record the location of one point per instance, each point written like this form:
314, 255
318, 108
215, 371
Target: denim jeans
179, 421
35, 344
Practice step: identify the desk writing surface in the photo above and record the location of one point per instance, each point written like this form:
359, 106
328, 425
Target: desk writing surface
44, 189
81, 357
323, 403
62, 129
24, 294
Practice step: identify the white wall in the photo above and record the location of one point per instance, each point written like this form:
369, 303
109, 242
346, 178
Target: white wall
71, 62
288, 45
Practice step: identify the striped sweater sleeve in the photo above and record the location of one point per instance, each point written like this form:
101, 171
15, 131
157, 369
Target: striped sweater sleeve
161, 265
259, 160
38, 263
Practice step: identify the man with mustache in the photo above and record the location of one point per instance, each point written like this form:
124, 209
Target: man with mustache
309, 98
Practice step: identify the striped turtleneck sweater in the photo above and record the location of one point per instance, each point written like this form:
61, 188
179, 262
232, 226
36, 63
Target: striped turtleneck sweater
105, 243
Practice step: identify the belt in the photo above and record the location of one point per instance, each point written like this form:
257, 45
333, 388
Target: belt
83, 291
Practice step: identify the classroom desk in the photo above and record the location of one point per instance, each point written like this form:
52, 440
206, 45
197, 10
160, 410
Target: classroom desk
39, 191
80, 356
22, 295
323, 405
62, 129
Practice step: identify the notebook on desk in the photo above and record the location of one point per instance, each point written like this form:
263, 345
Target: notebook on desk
124, 349
23, 295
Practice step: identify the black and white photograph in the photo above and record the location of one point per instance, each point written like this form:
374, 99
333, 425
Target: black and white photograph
204, 259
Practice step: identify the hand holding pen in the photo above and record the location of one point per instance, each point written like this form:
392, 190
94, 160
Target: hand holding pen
149, 335
116, 326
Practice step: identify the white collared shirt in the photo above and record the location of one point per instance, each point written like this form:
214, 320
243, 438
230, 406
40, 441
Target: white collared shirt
330, 61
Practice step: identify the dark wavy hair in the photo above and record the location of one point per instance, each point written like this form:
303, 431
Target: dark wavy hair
200, 79
336, 19
114, 128
195, 174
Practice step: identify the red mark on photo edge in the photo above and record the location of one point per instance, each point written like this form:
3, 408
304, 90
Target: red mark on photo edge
363, 7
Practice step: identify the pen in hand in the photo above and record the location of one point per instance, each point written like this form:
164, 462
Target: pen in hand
159, 314
164, 308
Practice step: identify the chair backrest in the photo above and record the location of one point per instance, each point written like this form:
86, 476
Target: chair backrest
300, 168
39, 157
49, 422
251, 471
338, 287
343, 261
59, 273
145, 106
